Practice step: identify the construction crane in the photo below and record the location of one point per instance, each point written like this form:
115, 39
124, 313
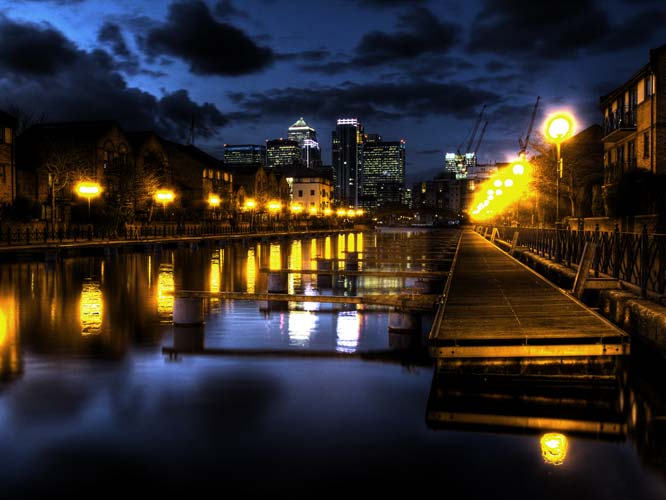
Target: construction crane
524, 142
473, 133
478, 143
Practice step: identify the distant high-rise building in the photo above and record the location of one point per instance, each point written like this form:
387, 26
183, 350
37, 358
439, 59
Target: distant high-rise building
383, 173
346, 155
306, 137
244, 154
282, 152
459, 164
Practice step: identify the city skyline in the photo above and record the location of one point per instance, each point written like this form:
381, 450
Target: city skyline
419, 71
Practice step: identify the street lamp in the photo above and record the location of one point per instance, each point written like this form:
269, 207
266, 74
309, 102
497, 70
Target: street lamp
164, 196
557, 129
213, 202
88, 190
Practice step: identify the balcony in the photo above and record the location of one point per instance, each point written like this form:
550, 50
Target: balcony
619, 124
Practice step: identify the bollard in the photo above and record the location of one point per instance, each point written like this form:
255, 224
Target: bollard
188, 338
277, 282
188, 311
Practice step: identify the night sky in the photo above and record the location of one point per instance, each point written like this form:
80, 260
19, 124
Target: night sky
417, 70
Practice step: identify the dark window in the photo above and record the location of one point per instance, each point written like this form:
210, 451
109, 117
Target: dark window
3, 173
311, 192
300, 194
648, 86
646, 145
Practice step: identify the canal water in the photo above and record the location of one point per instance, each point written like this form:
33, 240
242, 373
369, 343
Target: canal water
90, 403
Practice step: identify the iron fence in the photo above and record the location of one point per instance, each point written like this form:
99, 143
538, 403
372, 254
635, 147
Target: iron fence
636, 258
25, 235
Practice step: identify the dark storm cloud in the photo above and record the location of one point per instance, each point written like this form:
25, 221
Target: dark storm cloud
225, 9
67, 83
389, 3
421, 34
33, 49
425, 34
378, 101
210, 48
557, 30
110, 33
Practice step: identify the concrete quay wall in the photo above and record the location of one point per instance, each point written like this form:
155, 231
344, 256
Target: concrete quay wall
643, 318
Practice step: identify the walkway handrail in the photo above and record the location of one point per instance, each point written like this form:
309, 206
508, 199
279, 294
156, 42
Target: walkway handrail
636, 258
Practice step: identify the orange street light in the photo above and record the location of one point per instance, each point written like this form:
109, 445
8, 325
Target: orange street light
214, 200
88, 190
164, 196
558, 128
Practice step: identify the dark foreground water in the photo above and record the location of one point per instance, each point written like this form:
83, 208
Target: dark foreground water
91, 405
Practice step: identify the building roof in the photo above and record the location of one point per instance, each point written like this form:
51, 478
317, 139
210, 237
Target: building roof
196, 153
7, 120
300, 171
300, 125
84, 130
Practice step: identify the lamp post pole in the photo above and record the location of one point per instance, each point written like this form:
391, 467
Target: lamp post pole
557, 182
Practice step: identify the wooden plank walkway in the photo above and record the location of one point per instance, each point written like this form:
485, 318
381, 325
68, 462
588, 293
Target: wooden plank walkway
495, 307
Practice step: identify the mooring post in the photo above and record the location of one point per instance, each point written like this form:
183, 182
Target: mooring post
188, 311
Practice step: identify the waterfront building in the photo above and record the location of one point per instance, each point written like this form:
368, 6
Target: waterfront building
634, 134
383, 172
282, 152
244, 154
306, 137
310, 188
52, 157
196, 175
347, 144
7, 158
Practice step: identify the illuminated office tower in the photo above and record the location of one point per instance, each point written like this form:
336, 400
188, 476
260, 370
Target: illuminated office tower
347, 144
383, 173
244, 154
306, 137
282, 152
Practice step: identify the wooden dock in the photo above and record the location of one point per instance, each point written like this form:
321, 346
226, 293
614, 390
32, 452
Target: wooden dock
495, 307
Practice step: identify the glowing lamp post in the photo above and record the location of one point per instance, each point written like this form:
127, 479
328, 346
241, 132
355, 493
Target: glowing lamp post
213, 202
558, 128
88, 190
164, 196
249, 206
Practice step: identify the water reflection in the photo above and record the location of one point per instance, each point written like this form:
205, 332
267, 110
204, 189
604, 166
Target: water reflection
302, 325
251, 267
347, 331
91, 308
165, 288
10, 359
554, 448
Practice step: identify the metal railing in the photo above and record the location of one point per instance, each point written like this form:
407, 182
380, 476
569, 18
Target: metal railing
622, 118
26, 235
635, 258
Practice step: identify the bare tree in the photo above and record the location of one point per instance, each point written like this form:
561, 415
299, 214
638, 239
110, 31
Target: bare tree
65, 163
25, 118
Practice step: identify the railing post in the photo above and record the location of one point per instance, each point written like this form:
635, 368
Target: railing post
645, 268
616, 253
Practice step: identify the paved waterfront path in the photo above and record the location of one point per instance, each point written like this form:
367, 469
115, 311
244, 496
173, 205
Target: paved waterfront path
495, 307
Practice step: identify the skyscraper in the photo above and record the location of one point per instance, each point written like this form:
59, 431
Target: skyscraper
244, 154
383, 173
282, 152
346, 156
306, 137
